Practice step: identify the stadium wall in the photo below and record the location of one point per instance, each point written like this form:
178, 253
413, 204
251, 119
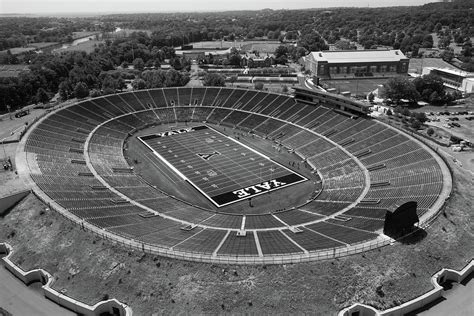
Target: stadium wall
39, 275
24, 168
337, 101
8, 201
437, 279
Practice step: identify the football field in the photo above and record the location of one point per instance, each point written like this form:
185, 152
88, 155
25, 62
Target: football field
221, 168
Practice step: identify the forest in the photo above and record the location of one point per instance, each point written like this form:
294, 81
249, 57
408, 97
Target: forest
102, 72
156, 34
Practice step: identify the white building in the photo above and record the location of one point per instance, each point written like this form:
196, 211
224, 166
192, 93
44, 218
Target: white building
462, 81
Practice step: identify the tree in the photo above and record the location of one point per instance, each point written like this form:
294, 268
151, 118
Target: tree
281, 54
389, 112
81, 90
234, 57
108, 82
215, 80
95, 93
281, 50
138, 84
343, 45
64, 90
405, 112
42, 96
371, 97
455, 95
435, 98
398, 88
312, 41
108, 91
120, 84
415, 124
444, 41
421, 117
138, 63
430, 131
175, 78
233, 79
447, 55
431, 89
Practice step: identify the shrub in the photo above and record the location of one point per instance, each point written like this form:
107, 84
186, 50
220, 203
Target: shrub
215, 80
81, 90
258, 85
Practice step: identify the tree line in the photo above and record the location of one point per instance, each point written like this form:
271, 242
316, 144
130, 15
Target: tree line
104, 71
428, 88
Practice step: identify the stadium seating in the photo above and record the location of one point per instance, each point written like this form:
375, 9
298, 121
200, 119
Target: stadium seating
348, 153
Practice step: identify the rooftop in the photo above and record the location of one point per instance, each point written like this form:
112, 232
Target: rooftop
460, 73
351, 56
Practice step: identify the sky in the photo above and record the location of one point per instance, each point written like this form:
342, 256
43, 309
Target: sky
132, 6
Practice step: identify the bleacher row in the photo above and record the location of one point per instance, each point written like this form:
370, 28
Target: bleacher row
406, 170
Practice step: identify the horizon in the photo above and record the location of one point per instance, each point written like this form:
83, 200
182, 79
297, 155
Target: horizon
83, 7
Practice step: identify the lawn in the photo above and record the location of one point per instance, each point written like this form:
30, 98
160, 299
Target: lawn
88, 47
155, 171
263, 47
218, 166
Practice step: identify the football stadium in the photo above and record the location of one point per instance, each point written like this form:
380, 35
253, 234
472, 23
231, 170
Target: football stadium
226, 175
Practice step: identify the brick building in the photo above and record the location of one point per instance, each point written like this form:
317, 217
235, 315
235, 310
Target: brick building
358, 63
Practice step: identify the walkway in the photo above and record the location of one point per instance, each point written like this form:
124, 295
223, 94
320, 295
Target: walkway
19, 299
458, 301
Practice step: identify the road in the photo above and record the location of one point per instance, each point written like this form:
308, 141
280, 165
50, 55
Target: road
194, 79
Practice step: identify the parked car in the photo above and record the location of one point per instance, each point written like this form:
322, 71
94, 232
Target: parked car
21, 113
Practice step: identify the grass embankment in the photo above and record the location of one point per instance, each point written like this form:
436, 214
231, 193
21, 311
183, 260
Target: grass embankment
89, 268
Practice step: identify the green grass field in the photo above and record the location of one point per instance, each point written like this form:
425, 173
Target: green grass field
87, 47
157, 173
263, 47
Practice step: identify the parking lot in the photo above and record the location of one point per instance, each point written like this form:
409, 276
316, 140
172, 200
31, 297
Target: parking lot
459, 124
